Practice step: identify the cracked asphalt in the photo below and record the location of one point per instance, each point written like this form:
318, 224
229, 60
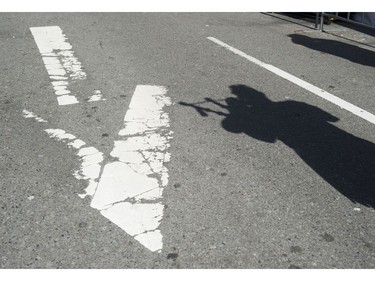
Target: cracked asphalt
263, 174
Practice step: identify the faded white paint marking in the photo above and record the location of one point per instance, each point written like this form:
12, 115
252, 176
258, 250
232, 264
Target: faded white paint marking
120, 182
56, 52
29, 114
130, 189
59, 60
148, 239
140, 221
307, 86
77, 143
91, 159
96, 96
135, 218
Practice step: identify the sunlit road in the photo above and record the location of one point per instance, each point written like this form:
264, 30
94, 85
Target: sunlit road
177, 140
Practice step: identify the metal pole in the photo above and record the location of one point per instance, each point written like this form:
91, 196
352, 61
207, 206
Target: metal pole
316, 20
321, 21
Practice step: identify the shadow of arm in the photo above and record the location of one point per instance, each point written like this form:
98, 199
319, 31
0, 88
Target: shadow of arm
202, 110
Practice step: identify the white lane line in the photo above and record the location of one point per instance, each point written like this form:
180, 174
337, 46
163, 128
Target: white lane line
61, 64
307, 86
130, 188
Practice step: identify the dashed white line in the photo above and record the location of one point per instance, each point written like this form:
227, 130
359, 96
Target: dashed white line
29, 114
59, 61
307, 86
61, 64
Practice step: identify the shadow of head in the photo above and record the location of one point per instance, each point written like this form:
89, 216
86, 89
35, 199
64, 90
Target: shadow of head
248, 95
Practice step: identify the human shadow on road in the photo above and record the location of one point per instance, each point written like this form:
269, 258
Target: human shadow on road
336, 48
343, 160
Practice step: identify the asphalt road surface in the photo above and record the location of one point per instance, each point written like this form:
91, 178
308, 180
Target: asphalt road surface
200, 151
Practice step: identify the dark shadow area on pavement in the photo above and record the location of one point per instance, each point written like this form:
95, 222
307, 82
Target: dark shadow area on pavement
369, 30
343, 160
336, 48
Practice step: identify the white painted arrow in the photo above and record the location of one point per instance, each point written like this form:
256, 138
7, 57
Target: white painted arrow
128, 191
